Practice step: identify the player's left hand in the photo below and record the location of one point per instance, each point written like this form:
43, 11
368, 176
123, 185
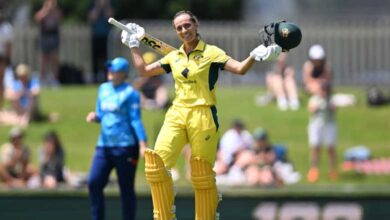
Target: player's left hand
132, 39
263, 53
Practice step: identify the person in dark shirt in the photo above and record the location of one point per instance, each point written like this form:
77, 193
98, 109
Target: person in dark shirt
316, 71
49, 18
98, 15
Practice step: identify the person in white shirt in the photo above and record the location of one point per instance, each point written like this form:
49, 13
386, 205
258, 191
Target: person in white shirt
233, 141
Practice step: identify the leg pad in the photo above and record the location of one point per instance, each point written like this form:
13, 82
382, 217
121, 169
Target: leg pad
161, 185
206, 194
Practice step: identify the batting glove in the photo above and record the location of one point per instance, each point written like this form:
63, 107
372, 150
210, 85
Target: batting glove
131, 39
263, 53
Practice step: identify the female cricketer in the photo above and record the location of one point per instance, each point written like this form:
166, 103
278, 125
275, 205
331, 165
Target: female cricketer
192, 118
121, 138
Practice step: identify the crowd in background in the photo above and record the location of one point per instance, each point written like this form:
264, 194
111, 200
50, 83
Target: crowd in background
243, 158
16, 170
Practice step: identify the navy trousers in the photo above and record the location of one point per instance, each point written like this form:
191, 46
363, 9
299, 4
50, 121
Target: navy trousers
124, 160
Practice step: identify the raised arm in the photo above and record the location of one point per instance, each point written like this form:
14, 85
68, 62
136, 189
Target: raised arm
143, 69
260, 53
131, 40
238, 67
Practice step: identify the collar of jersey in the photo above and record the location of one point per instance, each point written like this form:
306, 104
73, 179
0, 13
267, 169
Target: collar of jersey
200, 47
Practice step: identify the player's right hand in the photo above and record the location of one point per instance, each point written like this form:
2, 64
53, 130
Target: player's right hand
132, 39
91, 117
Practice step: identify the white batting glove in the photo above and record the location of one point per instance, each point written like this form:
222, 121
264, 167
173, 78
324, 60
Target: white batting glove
263, 53
132, 39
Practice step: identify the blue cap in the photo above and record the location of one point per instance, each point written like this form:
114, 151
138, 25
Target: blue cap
118, 64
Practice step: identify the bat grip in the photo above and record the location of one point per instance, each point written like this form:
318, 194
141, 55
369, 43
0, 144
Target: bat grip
119, 25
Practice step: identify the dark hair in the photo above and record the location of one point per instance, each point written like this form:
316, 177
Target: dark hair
53, 136
192, 16
237, 123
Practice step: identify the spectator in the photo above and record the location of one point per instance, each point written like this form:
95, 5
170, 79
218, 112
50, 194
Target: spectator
6, 38
258, 163
322, 131
265, 164
49, 18
233, 142
281, 85
25, 94
51, 161
316, 70
99, 13
154, 94
15, 168
3, 83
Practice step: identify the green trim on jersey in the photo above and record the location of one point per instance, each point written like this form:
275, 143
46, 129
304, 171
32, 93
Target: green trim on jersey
195, 74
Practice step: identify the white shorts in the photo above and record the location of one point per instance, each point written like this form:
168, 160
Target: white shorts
322, 134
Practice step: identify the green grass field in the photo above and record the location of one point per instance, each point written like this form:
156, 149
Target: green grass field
359, 125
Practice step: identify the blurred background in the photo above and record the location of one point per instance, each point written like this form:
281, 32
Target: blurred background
354, 34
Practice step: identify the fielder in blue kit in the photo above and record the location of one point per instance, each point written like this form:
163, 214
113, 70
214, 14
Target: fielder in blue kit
122, 136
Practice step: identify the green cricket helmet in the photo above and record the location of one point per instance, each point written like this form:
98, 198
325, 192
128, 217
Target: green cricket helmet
285, 34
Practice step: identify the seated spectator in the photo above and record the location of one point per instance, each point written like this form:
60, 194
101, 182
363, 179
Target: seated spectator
233, 142
265, 164
8, 116
24, 94
154, 94
258, 162
51, 160
15, 168
281, 85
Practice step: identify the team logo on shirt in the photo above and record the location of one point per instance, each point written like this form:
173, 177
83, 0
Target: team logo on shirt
185, 72
198, 57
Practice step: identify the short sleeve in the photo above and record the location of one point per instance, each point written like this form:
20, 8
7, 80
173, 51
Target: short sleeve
220, 57
165, 63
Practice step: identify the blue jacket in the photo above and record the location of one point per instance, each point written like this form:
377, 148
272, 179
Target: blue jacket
118, 111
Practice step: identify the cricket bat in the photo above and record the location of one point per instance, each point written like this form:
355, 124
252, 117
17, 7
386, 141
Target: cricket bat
156, 44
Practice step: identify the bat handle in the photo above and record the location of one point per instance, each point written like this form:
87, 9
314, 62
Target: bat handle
119, 25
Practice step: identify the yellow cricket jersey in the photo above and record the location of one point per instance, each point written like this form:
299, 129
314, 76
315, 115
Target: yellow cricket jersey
195, 74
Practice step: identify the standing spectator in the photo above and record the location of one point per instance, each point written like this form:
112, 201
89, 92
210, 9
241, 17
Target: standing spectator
15, 168
3, 83
281, 84
6, 37
51, 161
234, 141
121, 138
98, 15
49, 18
316, 70
322, 131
